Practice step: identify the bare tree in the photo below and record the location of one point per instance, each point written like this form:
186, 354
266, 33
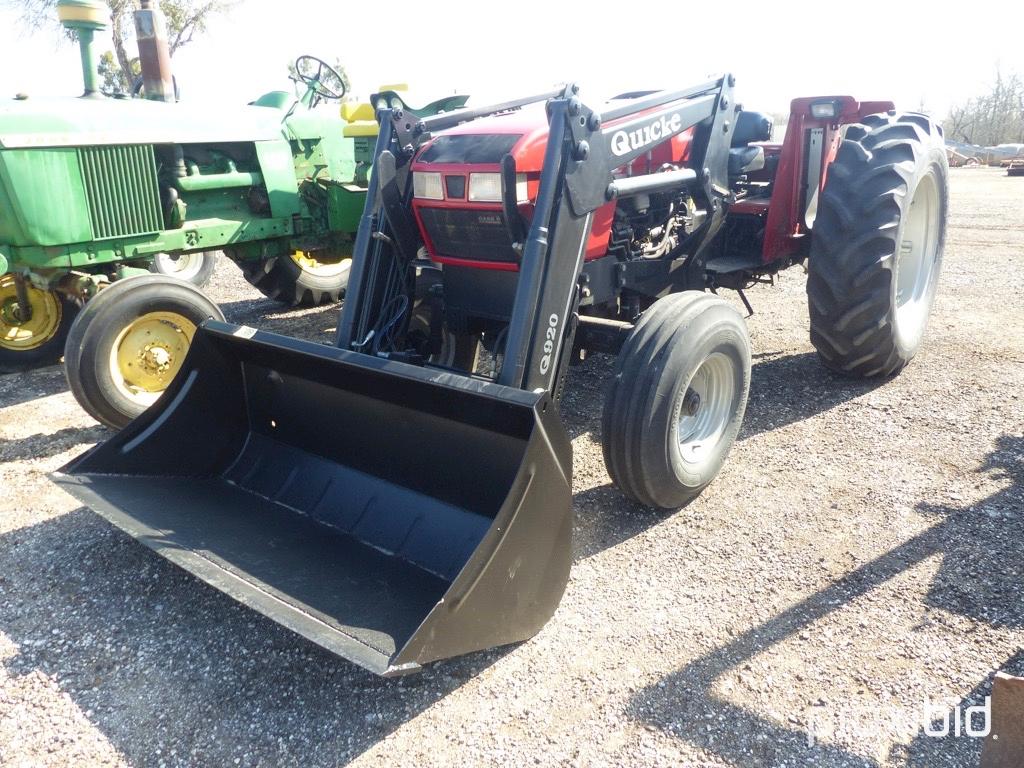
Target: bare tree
996, 117
185, 20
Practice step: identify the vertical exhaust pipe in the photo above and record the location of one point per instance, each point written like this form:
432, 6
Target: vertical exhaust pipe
154, 52
85, 18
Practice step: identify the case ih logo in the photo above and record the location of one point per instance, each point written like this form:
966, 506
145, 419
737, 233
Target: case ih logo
624, 142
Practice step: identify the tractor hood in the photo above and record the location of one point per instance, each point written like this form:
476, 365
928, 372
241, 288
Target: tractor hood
83, 122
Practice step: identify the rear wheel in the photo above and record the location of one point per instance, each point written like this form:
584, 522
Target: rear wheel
677, 399
196, 268
34, 338
877, 245
301, 279
129, 342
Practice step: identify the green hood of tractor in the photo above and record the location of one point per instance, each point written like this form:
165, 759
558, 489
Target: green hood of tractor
86, 157
89, 122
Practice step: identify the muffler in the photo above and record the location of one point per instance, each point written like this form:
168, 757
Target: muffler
393, 514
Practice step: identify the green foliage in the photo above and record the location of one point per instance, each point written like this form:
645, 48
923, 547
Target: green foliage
112, 77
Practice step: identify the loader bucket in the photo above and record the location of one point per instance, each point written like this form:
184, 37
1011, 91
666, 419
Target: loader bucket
393, 514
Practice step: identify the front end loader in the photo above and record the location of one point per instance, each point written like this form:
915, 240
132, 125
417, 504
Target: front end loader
405, 496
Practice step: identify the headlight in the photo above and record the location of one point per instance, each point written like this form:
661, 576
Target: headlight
486, 188
823, 109
427, 186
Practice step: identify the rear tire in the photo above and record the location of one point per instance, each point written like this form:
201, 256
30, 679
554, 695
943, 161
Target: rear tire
677, 399
40, 340
196, 268
129, 342
877, 243
299, 279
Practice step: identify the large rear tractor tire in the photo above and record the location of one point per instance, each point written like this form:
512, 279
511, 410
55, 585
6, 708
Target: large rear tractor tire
677, 399
37, 338
129, 342
196, 268
302, 279
877, 243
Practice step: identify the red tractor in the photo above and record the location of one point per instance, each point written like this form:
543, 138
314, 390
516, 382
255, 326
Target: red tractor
402, 498
857, 190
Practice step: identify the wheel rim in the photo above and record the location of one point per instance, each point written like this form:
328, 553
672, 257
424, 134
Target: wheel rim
915, 265
147, 355
321, 266
19, 335
184, 266
705, 408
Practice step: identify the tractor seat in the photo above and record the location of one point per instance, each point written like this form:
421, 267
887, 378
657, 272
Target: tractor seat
750, 127
745, 160
360, 118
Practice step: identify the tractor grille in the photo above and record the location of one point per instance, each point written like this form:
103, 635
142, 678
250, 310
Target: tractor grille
121, 187
468, 234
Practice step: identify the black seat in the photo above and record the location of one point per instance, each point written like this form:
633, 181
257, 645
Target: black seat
745, 160
751, 126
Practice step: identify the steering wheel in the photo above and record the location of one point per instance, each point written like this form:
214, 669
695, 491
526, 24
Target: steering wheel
320, 77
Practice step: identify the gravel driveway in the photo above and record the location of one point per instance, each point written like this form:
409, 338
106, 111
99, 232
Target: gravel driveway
861, 553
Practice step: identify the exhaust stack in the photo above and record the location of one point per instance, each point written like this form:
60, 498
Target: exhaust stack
86, 18
154, 53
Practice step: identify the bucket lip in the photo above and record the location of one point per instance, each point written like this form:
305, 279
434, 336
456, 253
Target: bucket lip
245, 592
240, 334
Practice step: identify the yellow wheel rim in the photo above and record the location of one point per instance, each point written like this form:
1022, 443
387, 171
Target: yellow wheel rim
322, 265
21, 336
148, 353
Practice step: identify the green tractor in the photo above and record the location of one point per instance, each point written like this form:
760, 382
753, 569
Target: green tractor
97, 189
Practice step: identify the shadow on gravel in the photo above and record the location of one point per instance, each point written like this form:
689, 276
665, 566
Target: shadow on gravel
784, 390
17, 388
42, 445
981, 576
928, 751
313, 324
606, 518
158, 660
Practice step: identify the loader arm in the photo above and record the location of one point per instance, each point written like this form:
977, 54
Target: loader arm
583, 151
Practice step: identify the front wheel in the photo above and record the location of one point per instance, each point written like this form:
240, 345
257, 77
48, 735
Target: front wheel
33, 338
129, 342
677, 399
196, 268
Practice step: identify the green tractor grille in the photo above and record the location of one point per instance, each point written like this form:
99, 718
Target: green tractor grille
121, 186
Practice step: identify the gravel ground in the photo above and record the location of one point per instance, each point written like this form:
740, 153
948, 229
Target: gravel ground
859, 555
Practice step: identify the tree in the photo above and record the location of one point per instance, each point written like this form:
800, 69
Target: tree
185, 20
996, 117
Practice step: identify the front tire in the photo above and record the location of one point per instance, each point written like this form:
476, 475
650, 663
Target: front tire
129, 342
301, 279
458, 351
877, 244
39, 340
196, 268
677, 399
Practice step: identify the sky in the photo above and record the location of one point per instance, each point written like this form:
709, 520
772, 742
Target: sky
910, 52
